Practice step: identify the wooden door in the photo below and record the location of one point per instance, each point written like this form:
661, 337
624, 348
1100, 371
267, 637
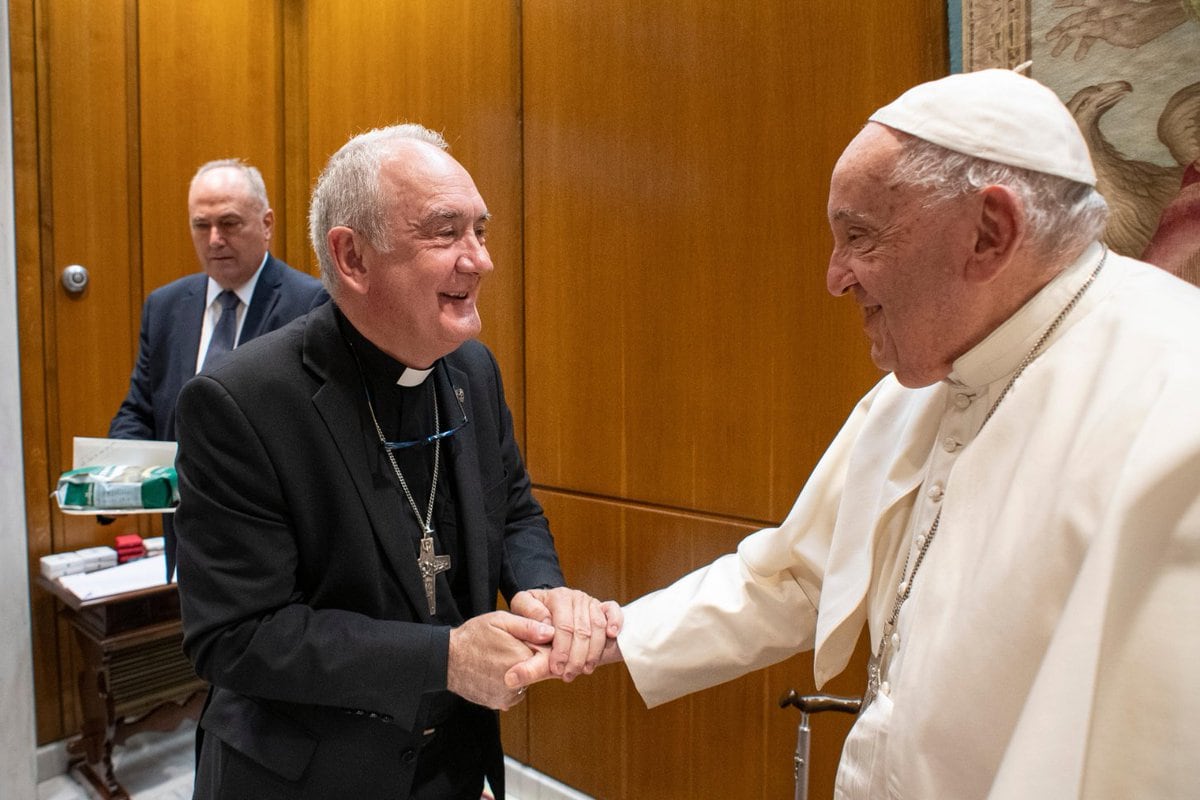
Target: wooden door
77, 204
114, 110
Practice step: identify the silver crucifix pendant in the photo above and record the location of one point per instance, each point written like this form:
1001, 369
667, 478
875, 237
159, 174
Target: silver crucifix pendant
873, 680
430, 565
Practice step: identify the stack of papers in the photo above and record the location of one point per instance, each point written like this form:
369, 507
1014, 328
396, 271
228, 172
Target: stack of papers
145, 573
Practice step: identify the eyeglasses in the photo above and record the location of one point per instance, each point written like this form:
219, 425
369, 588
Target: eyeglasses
433, 437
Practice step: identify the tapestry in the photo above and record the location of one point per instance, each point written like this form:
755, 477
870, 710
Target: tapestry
1129, 70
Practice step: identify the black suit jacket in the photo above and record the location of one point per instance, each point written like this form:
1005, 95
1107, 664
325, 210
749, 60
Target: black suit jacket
302, 602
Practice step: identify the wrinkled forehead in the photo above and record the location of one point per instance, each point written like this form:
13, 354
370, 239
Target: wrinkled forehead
876, 149
867, 164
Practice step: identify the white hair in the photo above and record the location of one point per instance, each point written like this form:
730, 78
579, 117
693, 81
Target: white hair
254, 178
1063, 216
348, 191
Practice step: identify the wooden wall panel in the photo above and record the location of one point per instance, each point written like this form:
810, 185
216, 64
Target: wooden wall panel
210, 86
453, 67
577, 731
682, 349
685, 365
672, 747
731, 741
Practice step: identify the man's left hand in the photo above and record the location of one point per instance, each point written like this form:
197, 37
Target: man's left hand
582, 626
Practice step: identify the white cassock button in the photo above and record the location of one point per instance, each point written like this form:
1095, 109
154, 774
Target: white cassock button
895, 641
950, 444
903, 587
962, 400
936, 491
920, 541
885, 688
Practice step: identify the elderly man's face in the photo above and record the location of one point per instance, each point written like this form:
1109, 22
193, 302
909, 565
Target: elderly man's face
230, 228
897, 258
423, 291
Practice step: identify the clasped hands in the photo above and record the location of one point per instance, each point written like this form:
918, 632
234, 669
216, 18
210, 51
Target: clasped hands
550, 633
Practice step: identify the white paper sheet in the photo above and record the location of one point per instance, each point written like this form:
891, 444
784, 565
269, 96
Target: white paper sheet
130, 576
87, 452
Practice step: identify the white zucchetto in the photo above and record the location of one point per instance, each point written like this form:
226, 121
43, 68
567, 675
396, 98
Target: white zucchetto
998, 115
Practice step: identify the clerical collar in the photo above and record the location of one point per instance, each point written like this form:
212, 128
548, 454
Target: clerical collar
1001, 350
382, 367
413, 377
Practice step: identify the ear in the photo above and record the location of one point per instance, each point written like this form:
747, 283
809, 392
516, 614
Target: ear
999, 231
346, 249
268, 221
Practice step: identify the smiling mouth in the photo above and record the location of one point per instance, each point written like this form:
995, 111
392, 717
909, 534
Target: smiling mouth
456, 295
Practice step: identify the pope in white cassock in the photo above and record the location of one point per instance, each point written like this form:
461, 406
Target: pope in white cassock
1013, 511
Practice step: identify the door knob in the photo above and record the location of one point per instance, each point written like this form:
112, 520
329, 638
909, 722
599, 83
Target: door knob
75, 278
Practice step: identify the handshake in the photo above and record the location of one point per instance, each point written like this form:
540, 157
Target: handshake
550, 633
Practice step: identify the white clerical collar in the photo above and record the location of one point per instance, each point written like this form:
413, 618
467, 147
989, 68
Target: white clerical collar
1001, 351
413, 377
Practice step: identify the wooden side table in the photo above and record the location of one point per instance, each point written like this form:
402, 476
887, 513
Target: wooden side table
134, 676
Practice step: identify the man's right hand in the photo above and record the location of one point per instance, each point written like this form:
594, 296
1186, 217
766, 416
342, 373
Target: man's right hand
539, 667
484, 648
581, 623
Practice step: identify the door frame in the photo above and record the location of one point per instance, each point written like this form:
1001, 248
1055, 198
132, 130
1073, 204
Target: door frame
18, 752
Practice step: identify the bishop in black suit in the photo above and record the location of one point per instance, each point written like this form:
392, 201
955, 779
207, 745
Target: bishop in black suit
352, 501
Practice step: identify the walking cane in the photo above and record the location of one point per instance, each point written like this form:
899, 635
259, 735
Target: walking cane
812, 704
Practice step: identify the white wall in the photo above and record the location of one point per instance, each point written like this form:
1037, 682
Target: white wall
17, 732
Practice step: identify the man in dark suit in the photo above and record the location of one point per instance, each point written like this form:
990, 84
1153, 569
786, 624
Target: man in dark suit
352, 500
231, 222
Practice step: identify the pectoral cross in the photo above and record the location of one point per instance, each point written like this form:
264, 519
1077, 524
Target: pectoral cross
430, 565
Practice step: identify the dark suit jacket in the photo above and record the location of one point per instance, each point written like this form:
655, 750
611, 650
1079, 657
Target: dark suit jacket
169, 341
302, 602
